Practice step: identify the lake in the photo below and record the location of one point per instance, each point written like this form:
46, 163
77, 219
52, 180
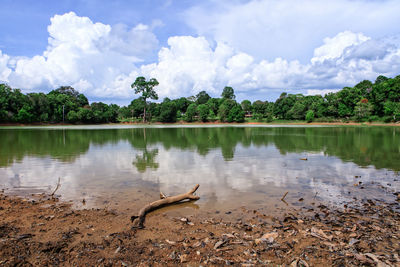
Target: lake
124, 167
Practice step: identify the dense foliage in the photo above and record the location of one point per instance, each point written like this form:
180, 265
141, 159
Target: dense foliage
366, 101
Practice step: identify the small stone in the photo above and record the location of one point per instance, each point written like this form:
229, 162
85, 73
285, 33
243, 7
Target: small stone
353, 241
219, 244
172, 256
270, 237
183, 258
170, 242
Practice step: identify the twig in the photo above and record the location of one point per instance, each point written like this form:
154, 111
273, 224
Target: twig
162, 195
58, 186
283, 198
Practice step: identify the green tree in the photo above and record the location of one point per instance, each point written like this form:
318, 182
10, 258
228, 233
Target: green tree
182, 104
259, 108
331, 103
136, 108
224, 109
85, 115
99, 110
385, 90
146, 88
310, 116
236, 114
283, 104
213, 104
298, 110
363, 109
203, 110
72, 116
62, 100
24, 115
168, 111
348, 98
202, 98
228, 93
230, 111
111, 114
246, 106
190, 112
381, 79
392, 109
40, 108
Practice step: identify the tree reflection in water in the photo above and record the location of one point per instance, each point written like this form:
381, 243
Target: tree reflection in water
146, 160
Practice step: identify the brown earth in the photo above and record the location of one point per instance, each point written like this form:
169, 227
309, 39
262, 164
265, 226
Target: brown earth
42, 231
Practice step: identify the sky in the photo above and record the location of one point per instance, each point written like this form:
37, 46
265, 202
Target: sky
259, 47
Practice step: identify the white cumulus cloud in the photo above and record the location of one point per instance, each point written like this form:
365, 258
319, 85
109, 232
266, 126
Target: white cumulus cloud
92, 57
267, 29
4, 70
334, 47
190, 65
102, 61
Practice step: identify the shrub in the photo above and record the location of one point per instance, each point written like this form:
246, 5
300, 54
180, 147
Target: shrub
269, 118
373, 118
168, 112
388, 119
203, 112
310, 116
190, 112
258, 117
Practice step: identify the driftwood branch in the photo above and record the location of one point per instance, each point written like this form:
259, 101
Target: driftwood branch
138, 221
58, 186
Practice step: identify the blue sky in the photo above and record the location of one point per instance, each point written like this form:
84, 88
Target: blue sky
26, 21
260, 48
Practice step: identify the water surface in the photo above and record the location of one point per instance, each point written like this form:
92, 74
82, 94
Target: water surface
124, 167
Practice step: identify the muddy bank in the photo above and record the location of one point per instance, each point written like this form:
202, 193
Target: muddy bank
43, 231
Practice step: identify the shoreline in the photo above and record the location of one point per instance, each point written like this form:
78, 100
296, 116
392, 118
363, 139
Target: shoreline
46, 231
210, 123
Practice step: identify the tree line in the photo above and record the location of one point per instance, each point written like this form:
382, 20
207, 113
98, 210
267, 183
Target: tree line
366, 101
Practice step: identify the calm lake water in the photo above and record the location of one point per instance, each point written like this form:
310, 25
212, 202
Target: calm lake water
124, 167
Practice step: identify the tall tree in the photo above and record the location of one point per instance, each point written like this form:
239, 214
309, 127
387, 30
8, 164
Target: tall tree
146, 88
228, 93
202, 98
246, 106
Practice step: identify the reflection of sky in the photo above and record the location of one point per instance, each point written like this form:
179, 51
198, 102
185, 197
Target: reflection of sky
253, 169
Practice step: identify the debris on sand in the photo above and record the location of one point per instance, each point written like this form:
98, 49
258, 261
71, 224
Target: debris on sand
49, 232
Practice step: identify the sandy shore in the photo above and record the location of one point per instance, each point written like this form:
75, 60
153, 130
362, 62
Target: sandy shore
47, 232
